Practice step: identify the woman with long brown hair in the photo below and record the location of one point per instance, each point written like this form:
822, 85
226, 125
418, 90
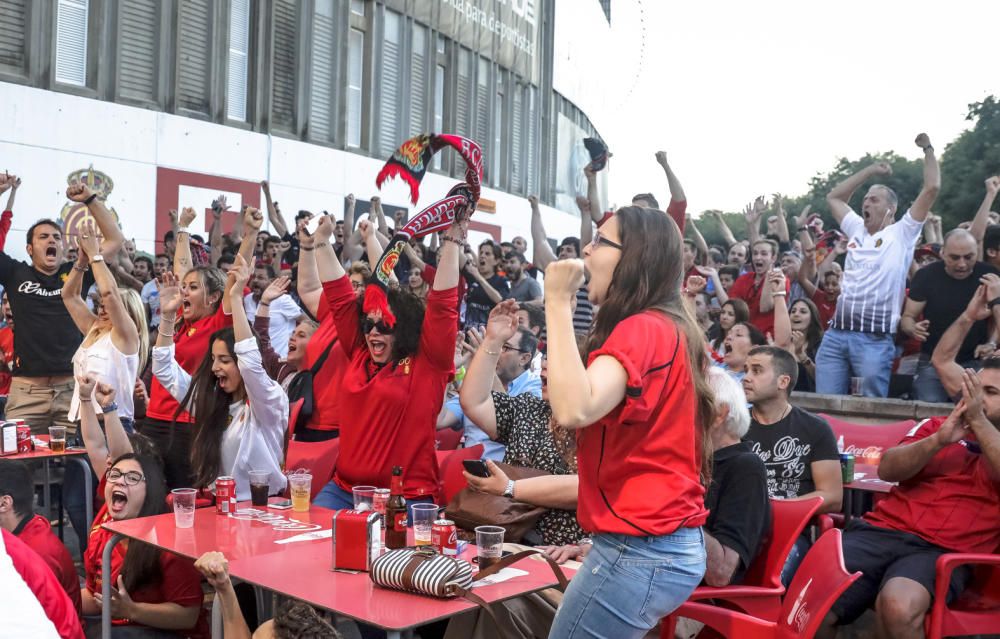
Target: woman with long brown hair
643, 407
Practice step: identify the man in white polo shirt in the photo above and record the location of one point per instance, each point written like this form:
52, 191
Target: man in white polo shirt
859, 342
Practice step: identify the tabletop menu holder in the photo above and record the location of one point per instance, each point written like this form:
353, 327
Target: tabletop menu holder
357, 539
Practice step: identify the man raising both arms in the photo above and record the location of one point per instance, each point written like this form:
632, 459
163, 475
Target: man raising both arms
860, 340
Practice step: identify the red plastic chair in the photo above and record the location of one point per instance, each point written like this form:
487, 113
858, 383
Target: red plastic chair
448, 438
819, 582
761, 591
450, 470
319, 458
977, 610
868, 441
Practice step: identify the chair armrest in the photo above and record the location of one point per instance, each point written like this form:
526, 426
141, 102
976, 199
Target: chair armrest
948, 562
728, 623
825, 522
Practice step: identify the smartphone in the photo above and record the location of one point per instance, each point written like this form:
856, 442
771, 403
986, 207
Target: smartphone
476, 467
281, 505
312, 224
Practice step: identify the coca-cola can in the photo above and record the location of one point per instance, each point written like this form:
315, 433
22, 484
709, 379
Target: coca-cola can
24, 443
225, 495
444, 537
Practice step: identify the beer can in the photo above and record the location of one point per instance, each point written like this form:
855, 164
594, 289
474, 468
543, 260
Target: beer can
225, 495
847, 467
24, 443
444, 537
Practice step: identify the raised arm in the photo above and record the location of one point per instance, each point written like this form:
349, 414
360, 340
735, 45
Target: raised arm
932, 181
727, 233
182, 238
593, 204
542, 252
14, 183
376, 207
413, 257
446, 277
277, 221
477, 388
752, 214
982, 218
586, 222
841, 194
113, 238
327, 264
904, 461
237, 278
943, 357
90, 428
779, 208
252, 221
219, 206
124, 333
699, 239
676, 190
71, 296
374, 245
782, 322
309, 287
352, 237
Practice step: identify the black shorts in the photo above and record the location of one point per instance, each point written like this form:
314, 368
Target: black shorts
881, 554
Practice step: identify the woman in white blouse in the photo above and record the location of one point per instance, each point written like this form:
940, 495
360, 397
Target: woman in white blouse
240, 413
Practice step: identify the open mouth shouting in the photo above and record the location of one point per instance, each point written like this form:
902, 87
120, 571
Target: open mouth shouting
378, 346
119, 501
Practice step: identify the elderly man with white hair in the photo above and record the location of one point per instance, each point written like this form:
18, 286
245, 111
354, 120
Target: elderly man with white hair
739, 511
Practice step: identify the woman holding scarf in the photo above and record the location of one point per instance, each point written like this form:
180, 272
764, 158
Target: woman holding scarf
642, 405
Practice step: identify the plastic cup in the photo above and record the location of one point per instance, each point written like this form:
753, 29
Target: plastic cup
300, 485
57, 439
259, 487
424, 516
489, 542
364, 497
184, 500
857, 386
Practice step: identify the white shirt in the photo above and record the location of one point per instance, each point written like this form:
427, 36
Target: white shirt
22, 613
284, 316
103, 361
151, 295
874, 283
254, 439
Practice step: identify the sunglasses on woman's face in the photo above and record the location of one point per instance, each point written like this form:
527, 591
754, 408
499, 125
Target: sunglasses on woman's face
367, 325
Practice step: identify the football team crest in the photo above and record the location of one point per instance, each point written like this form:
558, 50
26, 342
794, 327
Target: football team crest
75, 213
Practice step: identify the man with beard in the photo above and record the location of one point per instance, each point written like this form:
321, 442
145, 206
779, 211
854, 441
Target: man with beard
43, 369
523, 288
939, 293
861, 339
283, 311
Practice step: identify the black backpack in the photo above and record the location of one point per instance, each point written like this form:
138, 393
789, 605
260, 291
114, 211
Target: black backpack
301, 387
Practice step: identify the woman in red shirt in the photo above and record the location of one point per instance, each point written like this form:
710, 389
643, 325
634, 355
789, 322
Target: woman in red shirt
395, 379
642, 405
149, 587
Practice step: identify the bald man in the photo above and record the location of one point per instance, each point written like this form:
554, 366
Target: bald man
938, 295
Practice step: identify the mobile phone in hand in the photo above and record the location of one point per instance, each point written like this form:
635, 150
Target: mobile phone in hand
476, 467
312, 224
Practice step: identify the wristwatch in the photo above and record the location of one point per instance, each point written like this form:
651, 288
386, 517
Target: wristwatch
113, 406
509, 490
97, 258
993, 302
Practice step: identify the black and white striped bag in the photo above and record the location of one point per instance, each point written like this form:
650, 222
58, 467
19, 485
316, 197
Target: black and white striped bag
422, 571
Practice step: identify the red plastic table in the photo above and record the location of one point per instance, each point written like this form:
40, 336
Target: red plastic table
870, 483
72, 454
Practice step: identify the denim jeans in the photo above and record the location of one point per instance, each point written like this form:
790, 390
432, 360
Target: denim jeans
627, 584
927, 384
334, 497
795, 557
846, 354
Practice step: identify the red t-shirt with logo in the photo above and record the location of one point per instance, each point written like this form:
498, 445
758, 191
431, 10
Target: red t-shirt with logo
7, 346
746, 289
326, 382
179, 582
825, 306
37, 534
676, 210
640, 464
190, 347
953, 502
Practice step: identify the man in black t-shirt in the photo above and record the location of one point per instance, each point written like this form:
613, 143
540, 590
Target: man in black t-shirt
940, 292
46, 337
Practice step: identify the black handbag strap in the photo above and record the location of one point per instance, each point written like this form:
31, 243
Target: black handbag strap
322, 358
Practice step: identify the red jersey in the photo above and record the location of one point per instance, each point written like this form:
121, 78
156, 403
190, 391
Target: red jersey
953, 502
640, 464
326, 382
428, 276
37, 533
7, 346
393, 409
190, 347
676, 210
179, 582
746, 289
825, 306
46, 588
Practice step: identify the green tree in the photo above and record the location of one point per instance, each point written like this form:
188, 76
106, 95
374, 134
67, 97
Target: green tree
966, 163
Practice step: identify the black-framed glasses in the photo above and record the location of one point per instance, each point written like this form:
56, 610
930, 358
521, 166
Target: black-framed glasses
506, 348
367, 325
132, 477
600, 239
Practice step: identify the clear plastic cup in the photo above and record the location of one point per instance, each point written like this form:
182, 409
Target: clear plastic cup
423, 520
300, 486
184, 500
259, 487
857, 386
364, 497
57, 439
489, 542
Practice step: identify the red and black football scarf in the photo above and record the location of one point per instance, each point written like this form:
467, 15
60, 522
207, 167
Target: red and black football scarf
409, 162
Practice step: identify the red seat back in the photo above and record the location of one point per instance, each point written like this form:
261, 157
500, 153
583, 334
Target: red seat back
867, 442
788, 520
448, 438
450, 470
319, 458
818, 583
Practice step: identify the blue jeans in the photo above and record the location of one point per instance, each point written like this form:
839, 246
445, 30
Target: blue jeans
846, 354
627, 584
927, 384
334, 497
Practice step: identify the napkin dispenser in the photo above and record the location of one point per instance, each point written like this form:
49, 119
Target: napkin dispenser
357, 539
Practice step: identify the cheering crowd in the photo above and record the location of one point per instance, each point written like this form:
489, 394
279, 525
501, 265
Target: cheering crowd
645, 375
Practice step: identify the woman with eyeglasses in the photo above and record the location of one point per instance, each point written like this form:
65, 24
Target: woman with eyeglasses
395, 381
153, 593
642, 407
240, 413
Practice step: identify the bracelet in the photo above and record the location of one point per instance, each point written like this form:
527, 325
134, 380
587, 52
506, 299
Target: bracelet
319, 244
170, 335
509, 491
82, 269
85, 400
305, 248
928, 148
803, 229
586, 540
264, 304
455, 241
489, 352
90, 199
183, 229
113, 406
993, 302
778, 294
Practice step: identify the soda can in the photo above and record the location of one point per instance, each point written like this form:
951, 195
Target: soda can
379, 500
24, 443
444, 537
225, 495
847, 467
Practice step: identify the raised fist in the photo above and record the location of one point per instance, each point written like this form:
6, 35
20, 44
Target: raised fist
882, 168
993, 185
923, 141
661, 158
78, 192
188, 216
